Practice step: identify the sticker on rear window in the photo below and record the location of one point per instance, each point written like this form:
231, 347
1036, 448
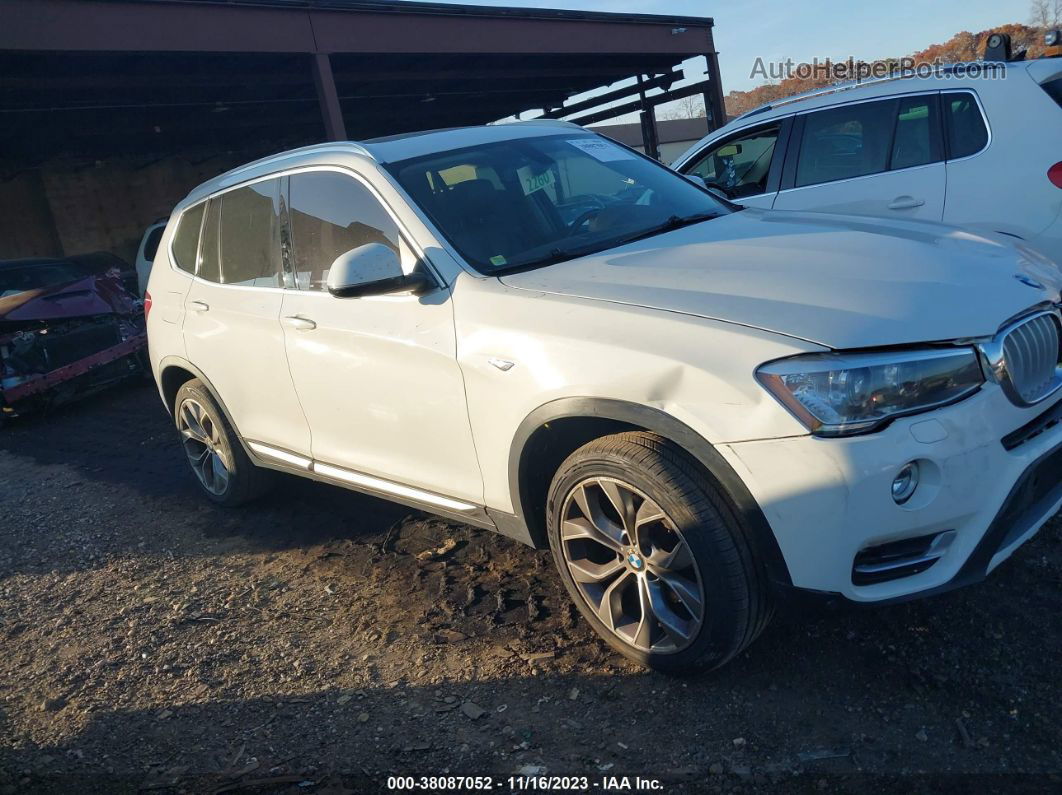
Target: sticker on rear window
601, 149
497, 259
531, 182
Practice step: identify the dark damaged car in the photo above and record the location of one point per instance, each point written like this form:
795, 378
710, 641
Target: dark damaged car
68, 326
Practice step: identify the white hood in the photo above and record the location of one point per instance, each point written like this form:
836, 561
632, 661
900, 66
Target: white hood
840, 281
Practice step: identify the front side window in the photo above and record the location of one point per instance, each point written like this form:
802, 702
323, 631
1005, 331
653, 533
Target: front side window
250, 235
967, 134
329, 214
739, 166
845, 142
186, 239
529, 202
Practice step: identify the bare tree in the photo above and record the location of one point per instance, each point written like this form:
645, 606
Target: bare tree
685, 108
1045, 13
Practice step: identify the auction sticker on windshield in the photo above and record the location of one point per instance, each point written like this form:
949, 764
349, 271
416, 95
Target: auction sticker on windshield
601, 149
531, 182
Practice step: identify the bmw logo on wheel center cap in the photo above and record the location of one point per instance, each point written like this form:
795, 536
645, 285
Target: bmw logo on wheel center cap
635, 560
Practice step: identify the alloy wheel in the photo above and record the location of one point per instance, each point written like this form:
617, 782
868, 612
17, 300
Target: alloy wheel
201, 438
631, 565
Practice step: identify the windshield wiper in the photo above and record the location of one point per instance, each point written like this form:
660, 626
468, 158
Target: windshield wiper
673, 222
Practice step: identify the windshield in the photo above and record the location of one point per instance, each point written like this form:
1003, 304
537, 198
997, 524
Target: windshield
17, 279
535, 201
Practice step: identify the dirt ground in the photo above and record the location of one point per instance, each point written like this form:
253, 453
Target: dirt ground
320, 641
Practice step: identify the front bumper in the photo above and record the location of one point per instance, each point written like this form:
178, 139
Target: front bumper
827, 500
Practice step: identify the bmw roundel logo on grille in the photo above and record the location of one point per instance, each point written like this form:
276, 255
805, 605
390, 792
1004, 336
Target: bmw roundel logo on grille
1028, 281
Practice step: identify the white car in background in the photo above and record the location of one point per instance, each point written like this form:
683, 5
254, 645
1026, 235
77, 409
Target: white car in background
697, 407
981, 153
145, 253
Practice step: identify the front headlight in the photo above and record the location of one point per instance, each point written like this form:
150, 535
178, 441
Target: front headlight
840, 394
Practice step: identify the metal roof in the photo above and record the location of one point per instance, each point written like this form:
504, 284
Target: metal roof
460, 10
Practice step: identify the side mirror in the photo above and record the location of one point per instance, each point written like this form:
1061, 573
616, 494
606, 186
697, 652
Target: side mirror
373, 269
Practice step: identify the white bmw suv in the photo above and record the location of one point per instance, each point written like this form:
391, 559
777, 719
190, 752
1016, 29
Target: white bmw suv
979, 149
696, 406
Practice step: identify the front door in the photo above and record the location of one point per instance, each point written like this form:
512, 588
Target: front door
378, 376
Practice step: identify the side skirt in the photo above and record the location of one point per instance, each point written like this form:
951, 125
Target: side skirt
271, 457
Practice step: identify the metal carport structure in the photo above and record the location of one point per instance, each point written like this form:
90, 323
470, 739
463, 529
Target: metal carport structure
89, 87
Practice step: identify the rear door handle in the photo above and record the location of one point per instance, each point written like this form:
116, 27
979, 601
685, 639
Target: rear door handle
300, 323
905, 203
199, 306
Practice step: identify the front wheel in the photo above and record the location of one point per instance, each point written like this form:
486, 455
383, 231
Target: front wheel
653, 555
219, 463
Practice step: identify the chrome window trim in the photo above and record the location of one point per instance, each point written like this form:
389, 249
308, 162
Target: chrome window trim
993, 361
403, 230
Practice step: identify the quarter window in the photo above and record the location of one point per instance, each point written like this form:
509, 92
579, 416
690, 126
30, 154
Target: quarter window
186, 240
250, 244
740, 165
845, 142
967, 134
329, 214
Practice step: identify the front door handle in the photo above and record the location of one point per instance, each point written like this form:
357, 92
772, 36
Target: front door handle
300, 323
199, 306
905, 203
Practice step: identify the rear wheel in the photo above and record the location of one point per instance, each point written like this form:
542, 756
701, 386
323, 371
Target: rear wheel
653, 556
218, 461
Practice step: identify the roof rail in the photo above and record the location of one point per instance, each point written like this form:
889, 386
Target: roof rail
834, 88
331, 146
547, 123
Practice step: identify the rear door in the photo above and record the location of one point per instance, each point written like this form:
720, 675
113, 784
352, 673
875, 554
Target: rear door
232, 317
745, 165
880, 157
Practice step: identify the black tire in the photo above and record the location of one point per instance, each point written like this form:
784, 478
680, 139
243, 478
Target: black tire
245, 481
736, 600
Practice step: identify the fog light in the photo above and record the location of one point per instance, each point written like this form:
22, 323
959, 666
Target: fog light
905, 483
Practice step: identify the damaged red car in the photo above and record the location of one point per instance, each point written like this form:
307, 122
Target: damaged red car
68, 327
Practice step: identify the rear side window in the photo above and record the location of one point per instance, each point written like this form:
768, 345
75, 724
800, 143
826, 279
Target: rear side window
186, 241
250, 238
1054, 90
916, 142
845, 142
964, 124
329, 214
209, 262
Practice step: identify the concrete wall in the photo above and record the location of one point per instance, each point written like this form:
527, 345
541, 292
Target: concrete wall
61, 208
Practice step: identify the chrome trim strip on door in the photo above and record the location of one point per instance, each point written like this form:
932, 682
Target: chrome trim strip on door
281, 455
388, 487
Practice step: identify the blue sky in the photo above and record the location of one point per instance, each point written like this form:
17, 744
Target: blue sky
776, 30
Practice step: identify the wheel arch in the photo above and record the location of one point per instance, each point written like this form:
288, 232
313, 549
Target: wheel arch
556, 429
174, 372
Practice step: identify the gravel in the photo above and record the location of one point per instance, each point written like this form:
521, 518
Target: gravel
320, 640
